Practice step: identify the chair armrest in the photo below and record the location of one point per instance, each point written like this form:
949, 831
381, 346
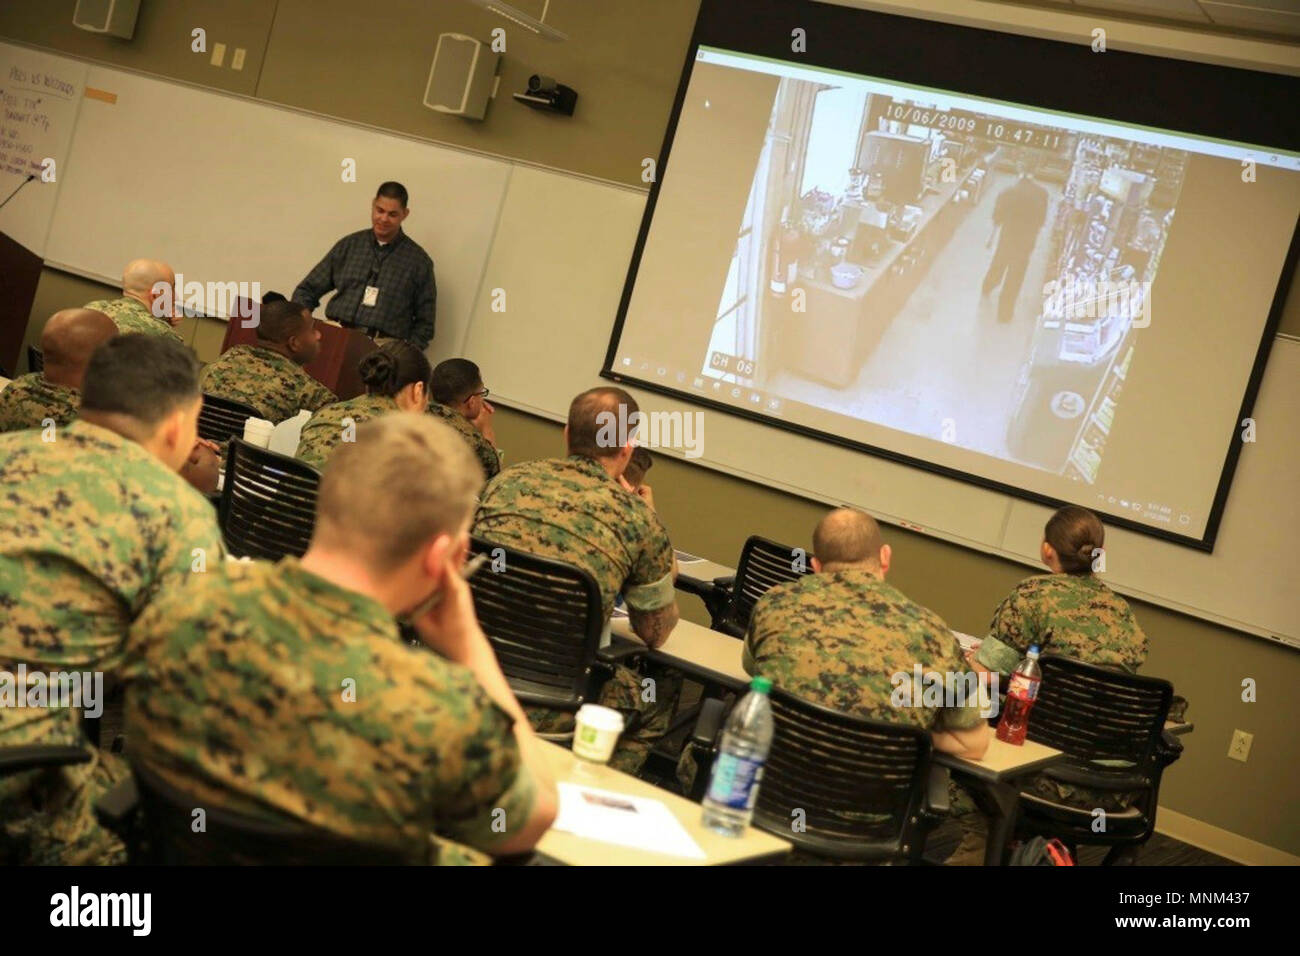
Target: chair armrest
709, 722
620, 650
725, 583
117, 807
1168, 749
708, 725
38, 756
936, 795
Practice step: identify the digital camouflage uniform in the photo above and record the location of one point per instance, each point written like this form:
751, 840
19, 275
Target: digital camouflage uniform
132, 315
29, 399
93, 525
1076, 616
482, 448
839, 638
324, 429
263, 378
267, 690
569, 509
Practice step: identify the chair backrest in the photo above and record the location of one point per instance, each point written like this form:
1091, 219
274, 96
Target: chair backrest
229, 838
1095, 713
268, 503
860, 783
544, 619
763, 565
222, 418
35, 359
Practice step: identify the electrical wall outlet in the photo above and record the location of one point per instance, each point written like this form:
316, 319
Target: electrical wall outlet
1239, 749
237, 58
218, 54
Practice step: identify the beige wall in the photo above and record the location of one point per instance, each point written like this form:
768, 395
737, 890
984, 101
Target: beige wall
624, 61
370, 63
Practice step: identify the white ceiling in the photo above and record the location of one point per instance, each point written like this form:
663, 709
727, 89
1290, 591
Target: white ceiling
1277, 18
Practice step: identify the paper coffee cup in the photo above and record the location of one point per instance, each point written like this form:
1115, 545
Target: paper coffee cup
596, 732
257, 431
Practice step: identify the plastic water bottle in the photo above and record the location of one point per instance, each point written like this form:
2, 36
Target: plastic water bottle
1020, 699
738, 769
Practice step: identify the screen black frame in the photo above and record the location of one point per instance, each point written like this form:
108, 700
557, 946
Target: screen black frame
1224, 103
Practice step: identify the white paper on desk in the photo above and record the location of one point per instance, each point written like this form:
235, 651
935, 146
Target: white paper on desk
684, 558
637, 822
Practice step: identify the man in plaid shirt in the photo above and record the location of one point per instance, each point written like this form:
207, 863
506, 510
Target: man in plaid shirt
384, 279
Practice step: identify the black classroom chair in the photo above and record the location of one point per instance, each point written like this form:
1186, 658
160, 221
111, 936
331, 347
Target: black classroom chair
35, 359
763, 565
862, 791
545, 621
1096, 713
268, 503
15, 760
221, 419
156, 822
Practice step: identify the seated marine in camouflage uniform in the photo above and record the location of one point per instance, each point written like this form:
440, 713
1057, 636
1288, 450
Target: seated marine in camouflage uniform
460, 400
147, 286
842, 636
283, 690
1069, 612
269, 376
94, 524
397, 379
53, 394
576, 510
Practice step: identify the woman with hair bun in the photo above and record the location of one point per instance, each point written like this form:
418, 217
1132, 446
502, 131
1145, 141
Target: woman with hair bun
1070, 611
396, 376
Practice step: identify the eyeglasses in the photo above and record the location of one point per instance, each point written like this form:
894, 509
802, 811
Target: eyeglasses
479, 394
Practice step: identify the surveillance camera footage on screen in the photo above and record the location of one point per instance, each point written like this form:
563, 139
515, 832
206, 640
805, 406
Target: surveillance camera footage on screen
1058, 305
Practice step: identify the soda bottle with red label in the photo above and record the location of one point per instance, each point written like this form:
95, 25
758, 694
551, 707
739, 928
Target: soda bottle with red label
1020, 699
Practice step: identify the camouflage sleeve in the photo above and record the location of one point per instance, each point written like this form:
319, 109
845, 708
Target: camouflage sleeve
483, 790
316, 396
192, 543
650, 585
1010, 635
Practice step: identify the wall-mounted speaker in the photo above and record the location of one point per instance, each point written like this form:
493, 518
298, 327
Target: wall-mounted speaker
114, 17
463, 76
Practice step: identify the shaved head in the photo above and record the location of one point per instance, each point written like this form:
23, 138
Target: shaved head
140, 276
69, 339
845, 537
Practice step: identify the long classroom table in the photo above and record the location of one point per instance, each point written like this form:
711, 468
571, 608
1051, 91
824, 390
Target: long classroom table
752, 846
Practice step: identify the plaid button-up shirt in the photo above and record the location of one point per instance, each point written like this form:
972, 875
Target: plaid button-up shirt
402, 271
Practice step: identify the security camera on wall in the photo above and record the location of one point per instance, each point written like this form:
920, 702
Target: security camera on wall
463, 77
546, 94
114, 17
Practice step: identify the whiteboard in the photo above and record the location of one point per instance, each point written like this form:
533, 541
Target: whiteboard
40, 95
560, 259
227, 189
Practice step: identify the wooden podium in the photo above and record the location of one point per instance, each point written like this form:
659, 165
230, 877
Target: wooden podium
341, 350
20, 271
